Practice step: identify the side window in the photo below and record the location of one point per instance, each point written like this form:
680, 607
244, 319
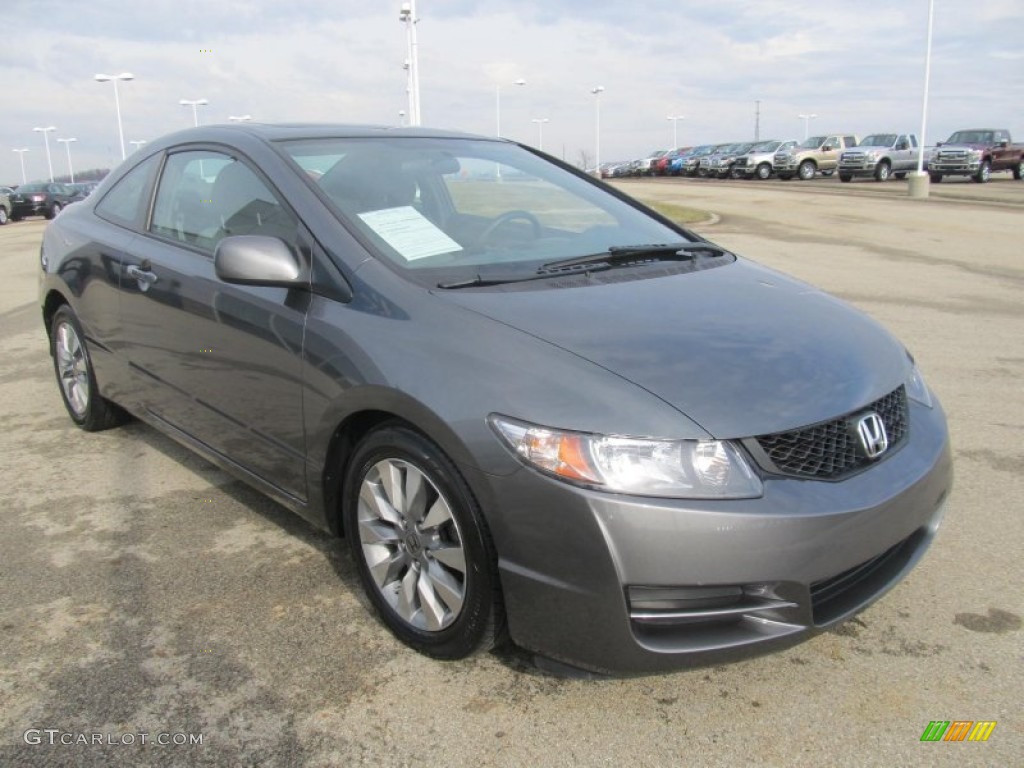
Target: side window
122, 204
849, 141
205, 196
831, 143
1002, 136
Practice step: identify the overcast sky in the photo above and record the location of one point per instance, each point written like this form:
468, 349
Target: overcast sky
858, 65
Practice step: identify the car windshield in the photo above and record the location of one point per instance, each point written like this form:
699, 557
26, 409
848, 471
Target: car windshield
31, 188
766, 146
440, 209
813, 142
879, 140
971, 137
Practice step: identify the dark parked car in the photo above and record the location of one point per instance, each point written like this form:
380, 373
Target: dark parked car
553, 416
42, 199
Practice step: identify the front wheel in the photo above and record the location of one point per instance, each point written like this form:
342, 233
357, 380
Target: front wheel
901, 175
807, 170
421, 545
785, 176
882, 171
3, 216
764, 171
54, 210
984, 173
76, 378
845, 177
935, 177
1018, 171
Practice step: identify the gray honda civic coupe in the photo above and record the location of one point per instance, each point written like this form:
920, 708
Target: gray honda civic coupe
538, 411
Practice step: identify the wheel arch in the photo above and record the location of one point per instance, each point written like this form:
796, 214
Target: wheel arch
54, 300
364, 417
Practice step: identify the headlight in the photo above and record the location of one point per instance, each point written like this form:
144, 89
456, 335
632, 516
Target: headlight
974, 154
917, 390
682, 469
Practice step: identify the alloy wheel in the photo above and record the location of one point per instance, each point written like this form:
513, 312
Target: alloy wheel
72, 369
412, 545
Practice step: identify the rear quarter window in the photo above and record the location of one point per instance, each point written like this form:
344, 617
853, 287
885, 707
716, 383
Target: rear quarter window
126, 201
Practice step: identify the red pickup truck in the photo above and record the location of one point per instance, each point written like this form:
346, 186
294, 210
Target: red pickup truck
977, 153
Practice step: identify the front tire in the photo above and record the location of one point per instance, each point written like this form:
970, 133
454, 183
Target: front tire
76, 378
1018, 171
935, 177
807, 170
3, 216
882, 171
421, 545
54, 210
984, 173
845, 177
764, 171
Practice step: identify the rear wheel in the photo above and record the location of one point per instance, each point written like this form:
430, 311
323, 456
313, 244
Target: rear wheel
54, 210
807, 170
984, 173
3, 216
1018, 171
764, 171
845, 177
76, 378
883, 171
900, 175
421, 545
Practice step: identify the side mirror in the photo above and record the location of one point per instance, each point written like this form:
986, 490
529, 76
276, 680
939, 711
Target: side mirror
939, 143
258, 260
1004, 144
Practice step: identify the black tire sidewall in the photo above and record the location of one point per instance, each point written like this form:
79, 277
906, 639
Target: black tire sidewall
65, 315
474, 627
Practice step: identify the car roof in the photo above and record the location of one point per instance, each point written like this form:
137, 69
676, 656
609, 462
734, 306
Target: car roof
291, 131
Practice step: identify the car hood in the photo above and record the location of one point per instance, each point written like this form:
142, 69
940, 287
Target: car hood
963, 146
740, 349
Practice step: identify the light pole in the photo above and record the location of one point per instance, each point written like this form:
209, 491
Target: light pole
117, 101
757, 120
497, 102
67, 146
137, 143
194, 103
597, 91
918, 181
239, 118
46, 139
807, 123
407, 15
675, 135
540, 130
21, 154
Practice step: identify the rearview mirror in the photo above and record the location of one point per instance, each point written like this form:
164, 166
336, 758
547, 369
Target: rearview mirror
258, 260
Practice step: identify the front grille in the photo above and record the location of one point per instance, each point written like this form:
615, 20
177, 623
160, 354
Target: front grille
832, 450
741, 162
956, 154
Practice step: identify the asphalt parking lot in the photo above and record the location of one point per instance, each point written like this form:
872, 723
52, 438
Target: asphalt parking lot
146, 592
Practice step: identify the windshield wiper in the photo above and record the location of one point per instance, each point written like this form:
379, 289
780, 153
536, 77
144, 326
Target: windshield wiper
618, 255
541, 274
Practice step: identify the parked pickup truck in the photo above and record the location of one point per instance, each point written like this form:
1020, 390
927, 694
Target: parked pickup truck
881, 155
977, 153
817, 153
758, 161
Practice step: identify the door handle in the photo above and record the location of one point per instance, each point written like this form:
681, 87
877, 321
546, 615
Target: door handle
142, 276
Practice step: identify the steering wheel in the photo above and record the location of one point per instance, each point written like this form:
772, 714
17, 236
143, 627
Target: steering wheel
505, 218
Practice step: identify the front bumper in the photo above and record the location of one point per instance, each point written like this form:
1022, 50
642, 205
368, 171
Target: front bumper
955, 168
29, 208
625, 585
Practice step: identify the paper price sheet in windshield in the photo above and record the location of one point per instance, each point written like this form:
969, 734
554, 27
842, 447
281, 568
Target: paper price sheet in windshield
409, 232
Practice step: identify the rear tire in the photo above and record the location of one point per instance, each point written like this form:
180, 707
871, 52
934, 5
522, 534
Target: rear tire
901, 175
935, 177
845, 177
1018, 171
3, 216
76, 378
421, 545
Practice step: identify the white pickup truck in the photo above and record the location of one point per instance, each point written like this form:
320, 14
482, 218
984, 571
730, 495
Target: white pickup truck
881, 155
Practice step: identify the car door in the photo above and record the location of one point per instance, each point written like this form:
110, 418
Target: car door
220, 363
